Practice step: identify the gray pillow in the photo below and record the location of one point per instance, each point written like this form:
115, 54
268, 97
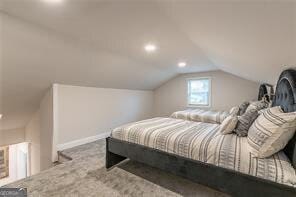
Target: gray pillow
243, 107
245, 121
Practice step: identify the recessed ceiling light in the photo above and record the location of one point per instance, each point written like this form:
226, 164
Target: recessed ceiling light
53, 1
1, 116
182, 64
150, 48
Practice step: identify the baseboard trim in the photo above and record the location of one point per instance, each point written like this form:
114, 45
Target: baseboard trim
82, 141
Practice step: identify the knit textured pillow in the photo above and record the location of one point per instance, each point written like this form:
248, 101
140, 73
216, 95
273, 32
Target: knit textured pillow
271, 132
243, 107
245, 121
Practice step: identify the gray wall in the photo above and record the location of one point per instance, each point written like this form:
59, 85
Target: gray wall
84, 112
33, 137
227, 91
12, 136
46, 130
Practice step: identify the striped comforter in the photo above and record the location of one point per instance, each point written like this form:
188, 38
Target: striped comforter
199, 115
202, 142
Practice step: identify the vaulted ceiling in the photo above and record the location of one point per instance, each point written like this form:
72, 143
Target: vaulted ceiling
100, 43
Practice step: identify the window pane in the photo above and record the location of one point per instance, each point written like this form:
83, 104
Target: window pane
198, 91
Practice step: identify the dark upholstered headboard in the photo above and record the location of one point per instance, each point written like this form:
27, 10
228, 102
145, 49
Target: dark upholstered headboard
263, 92
285, 96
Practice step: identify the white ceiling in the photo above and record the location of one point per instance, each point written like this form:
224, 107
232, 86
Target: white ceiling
100, 43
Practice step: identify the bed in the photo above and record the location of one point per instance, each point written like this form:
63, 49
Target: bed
200, 115
217, 117
195, 150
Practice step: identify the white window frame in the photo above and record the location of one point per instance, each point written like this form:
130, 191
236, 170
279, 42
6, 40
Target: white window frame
210, 92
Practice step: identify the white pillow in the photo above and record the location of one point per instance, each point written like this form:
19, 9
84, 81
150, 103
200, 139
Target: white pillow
271, 132
228, 125
234, 111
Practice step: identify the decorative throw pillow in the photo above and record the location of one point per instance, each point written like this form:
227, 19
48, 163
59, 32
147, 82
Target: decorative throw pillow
234, 111
271, 132
257, 105
228, 125
262, 111
245, 121
243, 107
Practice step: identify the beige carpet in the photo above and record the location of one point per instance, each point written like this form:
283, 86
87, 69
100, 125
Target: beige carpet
86, 175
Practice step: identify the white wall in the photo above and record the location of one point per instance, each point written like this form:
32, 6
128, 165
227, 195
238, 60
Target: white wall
46, 130
17, 163
32, 136
85, 112
12, 136
72, 115
227, 91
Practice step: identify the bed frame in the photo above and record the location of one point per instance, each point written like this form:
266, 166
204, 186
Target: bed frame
222, 179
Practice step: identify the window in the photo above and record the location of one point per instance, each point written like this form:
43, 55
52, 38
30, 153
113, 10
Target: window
199, 92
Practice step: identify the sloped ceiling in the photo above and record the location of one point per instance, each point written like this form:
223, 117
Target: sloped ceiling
100, 43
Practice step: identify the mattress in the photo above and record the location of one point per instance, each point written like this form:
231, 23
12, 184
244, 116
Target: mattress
202, 141
200, 115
